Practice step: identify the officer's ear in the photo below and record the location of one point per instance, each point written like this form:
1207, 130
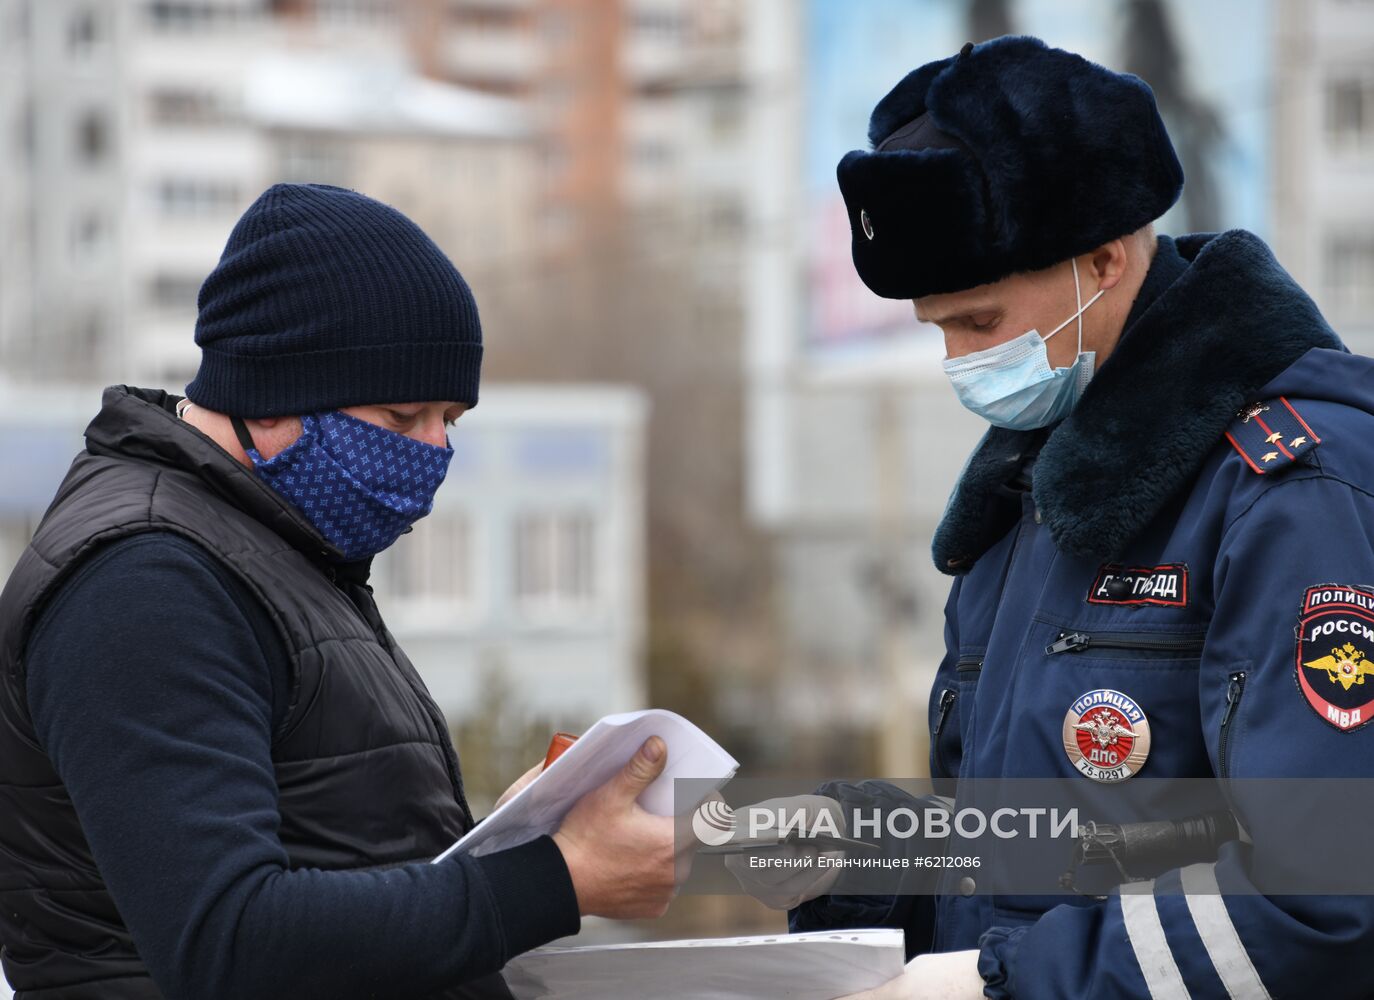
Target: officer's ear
1110, 262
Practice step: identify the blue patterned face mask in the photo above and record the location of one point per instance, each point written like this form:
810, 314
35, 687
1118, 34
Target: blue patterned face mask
359, 484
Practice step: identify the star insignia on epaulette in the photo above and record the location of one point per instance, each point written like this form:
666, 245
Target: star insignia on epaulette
1259, 433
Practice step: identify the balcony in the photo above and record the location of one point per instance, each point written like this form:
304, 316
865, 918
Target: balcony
506, 56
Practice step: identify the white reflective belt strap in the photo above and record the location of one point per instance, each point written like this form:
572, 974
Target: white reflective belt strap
1218, 933
1140, 916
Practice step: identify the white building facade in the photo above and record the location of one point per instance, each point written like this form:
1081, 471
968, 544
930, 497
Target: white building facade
1323, 158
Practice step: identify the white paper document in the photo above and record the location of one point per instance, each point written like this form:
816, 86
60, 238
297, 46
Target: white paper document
594, 759
817, 966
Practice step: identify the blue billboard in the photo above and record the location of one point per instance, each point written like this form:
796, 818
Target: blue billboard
1210, 65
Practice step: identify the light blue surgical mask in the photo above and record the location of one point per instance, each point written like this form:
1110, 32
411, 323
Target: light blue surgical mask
1012, 385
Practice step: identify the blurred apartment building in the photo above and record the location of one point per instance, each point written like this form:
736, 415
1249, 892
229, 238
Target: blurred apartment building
134, 133
1323, 157
136, 130
639, 113
852, 453
621, 181
140, 129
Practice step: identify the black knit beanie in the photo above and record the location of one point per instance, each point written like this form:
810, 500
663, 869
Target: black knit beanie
325, 298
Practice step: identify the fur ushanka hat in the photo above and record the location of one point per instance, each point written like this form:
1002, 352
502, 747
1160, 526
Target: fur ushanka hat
1009, 156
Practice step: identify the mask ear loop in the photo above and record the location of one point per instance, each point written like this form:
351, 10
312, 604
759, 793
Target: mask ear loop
241, 431
1078, 295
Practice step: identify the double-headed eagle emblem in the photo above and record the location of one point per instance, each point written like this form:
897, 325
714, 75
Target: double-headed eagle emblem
1104, 728
1346, 666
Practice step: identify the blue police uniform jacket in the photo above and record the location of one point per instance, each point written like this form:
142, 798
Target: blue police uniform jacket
1213, 487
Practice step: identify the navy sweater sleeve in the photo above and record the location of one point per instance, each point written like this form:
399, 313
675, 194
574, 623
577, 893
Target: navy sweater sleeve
152, 693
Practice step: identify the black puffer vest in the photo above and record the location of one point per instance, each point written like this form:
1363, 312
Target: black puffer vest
366, 772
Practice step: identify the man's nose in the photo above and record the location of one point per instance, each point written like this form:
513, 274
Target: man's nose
431, 431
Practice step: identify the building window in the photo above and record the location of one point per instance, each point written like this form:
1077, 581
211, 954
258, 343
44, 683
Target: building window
725, 218
304, 160
177, 106
651, 153
179, 15
553, 159
1350, 275
493, 20
432, 566
657, 25
87, 334
92, 137
199, 15
84, 33
186, 197
555, 561
174, 292
356, 13
24, 131
1350, 113
19, 24
727, 117
89, 238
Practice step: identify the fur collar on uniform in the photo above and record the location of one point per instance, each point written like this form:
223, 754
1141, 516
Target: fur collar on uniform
1228, 324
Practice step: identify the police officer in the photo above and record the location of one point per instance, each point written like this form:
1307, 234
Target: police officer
1179, 470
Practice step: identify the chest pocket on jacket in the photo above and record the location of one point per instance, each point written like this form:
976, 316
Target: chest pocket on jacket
1108, 642
1154, 667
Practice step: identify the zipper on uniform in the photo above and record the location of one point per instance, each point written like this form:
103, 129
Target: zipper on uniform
947, 696
1235, 687
1076, 642
947, 699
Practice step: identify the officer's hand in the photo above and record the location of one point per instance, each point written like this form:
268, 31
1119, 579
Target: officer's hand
520, 783
784, 886
950, 975
620, 856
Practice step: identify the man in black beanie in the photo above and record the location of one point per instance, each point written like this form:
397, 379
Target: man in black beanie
219, 775
1161, 548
